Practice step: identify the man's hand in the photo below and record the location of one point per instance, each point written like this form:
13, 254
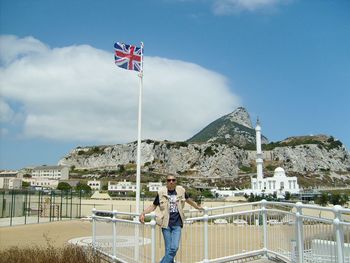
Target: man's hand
200, 208
194, 204
148, 210
142, 218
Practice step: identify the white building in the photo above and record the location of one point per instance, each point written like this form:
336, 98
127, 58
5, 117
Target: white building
223, 193
278, 184
51, 172
154, 186
94, 185
10, 183
8, 174
121, 187
42, 183
9, 180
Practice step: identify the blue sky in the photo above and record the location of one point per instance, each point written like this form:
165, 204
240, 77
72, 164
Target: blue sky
287, 62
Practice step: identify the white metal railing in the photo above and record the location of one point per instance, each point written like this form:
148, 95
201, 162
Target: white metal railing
288, 231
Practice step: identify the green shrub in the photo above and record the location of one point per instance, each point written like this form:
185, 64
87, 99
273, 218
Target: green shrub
209, 151
63, 186
246, 169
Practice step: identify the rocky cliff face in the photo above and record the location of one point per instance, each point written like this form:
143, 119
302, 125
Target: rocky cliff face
233, 129
209, 159
166, 157
312, 158
240, 116
220, 150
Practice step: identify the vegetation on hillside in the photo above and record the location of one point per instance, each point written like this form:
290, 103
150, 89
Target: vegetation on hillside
328, 144
213, 128
95, 150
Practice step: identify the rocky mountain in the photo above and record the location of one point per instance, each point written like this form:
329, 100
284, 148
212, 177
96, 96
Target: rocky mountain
310, 154
205, 159
213, 153
233, 129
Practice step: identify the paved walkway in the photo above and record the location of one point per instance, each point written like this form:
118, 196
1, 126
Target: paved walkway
252, 260
16, 221
263, 260
249, 260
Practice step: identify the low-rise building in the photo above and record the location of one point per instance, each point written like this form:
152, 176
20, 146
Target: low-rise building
9, 180
154, 186
94, 185
42, 183
10, 183
8, 174
220, 193
121, 187
57, 172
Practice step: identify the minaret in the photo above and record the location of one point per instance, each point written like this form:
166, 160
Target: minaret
259, 159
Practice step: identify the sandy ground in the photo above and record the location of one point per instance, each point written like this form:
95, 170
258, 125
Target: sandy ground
224, 239
56, 233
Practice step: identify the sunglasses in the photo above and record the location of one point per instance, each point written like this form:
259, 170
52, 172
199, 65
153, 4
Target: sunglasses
171, 180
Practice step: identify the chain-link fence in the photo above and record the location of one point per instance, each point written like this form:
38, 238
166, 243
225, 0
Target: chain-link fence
32, 206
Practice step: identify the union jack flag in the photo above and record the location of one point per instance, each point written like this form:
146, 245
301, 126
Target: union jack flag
128, 57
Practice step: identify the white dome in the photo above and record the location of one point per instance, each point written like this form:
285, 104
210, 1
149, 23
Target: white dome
279, 170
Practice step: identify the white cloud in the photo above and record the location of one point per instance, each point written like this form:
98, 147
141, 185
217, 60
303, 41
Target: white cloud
12, 48
6, 113
227, 7
77, 93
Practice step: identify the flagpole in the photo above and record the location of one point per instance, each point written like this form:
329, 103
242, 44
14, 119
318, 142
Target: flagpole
138, 163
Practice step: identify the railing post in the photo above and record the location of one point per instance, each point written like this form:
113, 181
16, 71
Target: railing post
114, 221
299, 232
206, 241
339, 234
153, 237
93, 217
137, 239
264, 214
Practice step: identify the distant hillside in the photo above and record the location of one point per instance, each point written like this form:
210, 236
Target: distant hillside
233, 129
223, 149
322, 141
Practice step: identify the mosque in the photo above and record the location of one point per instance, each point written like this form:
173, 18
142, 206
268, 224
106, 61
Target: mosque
279, 184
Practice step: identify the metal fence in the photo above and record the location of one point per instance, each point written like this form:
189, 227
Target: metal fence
289, 232
32, 206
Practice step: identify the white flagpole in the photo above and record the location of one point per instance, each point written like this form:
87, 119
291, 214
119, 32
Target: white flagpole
138, 164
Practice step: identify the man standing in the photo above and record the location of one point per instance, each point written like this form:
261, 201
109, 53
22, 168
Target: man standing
171, 201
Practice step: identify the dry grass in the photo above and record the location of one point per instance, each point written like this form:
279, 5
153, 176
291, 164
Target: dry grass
36, 254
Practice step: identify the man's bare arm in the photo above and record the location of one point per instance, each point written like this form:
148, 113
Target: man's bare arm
148, 210
194, 204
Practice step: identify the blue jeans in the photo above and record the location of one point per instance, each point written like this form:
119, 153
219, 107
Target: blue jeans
172, 236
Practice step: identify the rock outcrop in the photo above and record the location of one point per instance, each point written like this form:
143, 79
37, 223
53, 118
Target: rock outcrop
209, 159
166, 157
222, 149
233, 129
